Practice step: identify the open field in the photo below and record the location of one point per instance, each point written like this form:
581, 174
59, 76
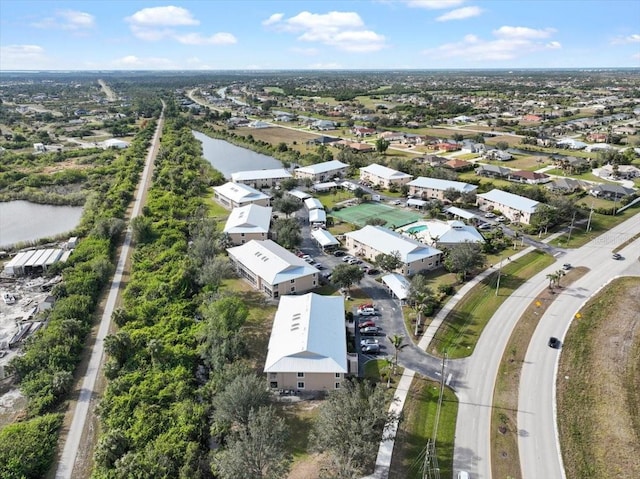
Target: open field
598, 389
275, 135
464, 324
505, 461
417, 427
521, 162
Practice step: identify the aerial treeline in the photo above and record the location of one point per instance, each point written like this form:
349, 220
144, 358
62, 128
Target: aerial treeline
45, 369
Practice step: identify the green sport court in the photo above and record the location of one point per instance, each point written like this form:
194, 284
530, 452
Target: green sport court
359, 214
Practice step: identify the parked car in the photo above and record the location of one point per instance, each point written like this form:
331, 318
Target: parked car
396, 202
368, 341
484, 226
339, 253
501, 219
366, 312
616, 256
369, 330
371, 349
318, 266
354, 261
346, 259
372, 271
566, 266
369, 323
489, 215
366, 305
554, 343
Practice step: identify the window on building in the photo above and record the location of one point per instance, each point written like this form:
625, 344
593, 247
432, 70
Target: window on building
300, 375
337, 386
293, 288
300, 385
273, 384
293, 281
241, 234
337, 375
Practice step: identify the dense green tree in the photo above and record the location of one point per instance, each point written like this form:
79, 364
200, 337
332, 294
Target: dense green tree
232, 406
388, 262
382, 145
346, 275
287, 205
463, 257
287, 232
257, 450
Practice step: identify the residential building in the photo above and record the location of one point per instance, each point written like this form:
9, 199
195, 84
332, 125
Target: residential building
564, 185
493, 171
371, 241
458, 165
270, 268
323, 125
232, 195
610, 192
308, 344
626, 172
382, 176
498, 155
261, 178
514, 207
442, 234
246, 223
428, 188
322, 171
530, 177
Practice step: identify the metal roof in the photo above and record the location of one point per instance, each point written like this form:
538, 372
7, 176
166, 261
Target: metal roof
398, 284
384, 172
324, 167
249, 219
387, 241
260, 174
324, 238
516, 202
239, 192
438, 184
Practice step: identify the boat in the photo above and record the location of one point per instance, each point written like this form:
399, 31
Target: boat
8, 298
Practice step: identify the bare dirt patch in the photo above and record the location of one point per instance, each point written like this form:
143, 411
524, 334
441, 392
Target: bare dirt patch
275, 135
599, 386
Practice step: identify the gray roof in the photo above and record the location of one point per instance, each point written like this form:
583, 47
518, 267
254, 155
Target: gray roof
438, 184
516, 202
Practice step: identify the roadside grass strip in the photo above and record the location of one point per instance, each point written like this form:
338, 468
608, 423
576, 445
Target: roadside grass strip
359, 214
505, 459
460, 331
416, 428
598, 385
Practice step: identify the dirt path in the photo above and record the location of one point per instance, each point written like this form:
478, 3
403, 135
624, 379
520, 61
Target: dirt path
111, 96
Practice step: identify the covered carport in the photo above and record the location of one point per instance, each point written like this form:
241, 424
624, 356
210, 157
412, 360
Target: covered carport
416, 203
460, 213
324, 238
397, 285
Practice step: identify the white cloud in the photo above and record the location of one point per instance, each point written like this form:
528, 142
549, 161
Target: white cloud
275, 18
460, 14
434, 4
133, 62
162, 16
633, 38
67, 20
342, 30
522, 32
221, 38
22, 57
151, 34
510, 43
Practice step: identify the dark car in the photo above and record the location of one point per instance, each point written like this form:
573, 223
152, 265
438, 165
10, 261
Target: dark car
369, 330
554, 343
616, 256
566, 266
372, 271
371, 349
339, 253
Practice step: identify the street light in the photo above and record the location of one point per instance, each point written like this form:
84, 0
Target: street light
499, 273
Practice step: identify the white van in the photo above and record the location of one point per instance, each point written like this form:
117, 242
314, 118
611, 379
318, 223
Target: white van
463, 475
366, 311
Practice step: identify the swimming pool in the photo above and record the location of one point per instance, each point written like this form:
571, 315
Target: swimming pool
416, 229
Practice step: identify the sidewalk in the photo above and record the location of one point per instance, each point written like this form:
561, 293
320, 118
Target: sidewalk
385, 450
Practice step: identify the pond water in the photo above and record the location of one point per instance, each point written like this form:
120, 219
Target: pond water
25, 221
228, 158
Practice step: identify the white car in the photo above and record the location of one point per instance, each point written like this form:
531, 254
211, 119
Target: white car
369, 341
489, 215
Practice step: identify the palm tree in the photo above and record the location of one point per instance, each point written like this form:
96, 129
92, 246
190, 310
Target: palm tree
388, 368
552, 277
559, 274
397, 342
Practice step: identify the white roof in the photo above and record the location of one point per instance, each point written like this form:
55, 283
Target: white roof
516, 202
324, 238
384, 172
317, 215
319, 168
325, 186
454, 210
416, 202
114, 142
271, 262
438, 184
313, 203
239, 192
387, 241
299, 194
260, 174
398, 284
249, 219
451, 232
308, 335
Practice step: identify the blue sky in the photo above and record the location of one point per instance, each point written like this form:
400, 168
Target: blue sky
262, 34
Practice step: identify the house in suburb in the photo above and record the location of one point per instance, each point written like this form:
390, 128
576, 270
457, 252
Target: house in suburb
248, 223
514, 207
261, 178
428, 188
232, 195
308, 345
382, 176
370, 241
322, 171
270, 268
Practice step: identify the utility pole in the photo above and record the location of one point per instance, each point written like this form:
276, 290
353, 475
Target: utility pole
499, 273
571, 227
590, 215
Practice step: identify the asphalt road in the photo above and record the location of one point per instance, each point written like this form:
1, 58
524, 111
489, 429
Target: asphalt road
475, 381
67, 460
538, 441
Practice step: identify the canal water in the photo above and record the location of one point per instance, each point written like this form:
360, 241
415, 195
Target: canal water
228, 158
25, 221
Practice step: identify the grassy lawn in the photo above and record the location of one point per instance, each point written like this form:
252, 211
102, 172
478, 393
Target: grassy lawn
217, 212
505, 461
299, 418
417, 427
600, 359
464, 324
341, 227
521, 162
329, 199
